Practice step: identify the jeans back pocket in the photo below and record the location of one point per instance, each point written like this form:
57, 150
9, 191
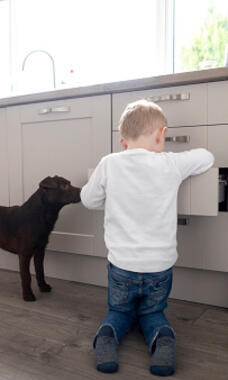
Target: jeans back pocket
117, 289
158, 291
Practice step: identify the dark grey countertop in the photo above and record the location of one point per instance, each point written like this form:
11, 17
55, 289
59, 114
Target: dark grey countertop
202, 76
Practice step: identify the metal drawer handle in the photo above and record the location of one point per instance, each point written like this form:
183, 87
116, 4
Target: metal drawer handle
45, 111
60, 109
170, 97
179, 139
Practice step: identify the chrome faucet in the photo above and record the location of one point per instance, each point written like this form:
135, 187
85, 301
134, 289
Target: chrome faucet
45, 52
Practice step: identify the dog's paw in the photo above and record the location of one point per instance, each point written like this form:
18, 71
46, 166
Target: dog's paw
29, 297
45, 288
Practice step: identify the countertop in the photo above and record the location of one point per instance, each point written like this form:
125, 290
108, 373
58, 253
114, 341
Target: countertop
178, 79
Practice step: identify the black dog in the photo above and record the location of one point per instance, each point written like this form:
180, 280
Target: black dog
24, 230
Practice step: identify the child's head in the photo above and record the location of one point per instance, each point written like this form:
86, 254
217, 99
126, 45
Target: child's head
143, 123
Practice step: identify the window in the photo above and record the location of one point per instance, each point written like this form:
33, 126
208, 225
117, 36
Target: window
100, 41
201, 34
90, 41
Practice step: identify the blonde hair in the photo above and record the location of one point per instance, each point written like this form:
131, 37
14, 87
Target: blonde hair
142, 117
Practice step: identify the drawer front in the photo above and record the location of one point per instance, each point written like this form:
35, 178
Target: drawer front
181, 139
56, 110
205, 193
183, 105
176, 139
218, 144
218, 103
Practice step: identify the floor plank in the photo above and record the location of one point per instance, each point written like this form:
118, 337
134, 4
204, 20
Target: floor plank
52, 337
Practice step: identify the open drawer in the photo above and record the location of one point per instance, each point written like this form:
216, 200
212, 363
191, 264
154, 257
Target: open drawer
198, 195
179, 140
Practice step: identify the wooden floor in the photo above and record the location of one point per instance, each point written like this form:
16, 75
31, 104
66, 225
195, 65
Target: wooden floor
51, 338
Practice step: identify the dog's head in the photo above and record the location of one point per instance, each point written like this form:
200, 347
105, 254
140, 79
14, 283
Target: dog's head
58, 190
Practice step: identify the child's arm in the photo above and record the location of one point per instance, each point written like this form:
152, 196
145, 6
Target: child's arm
192, 162
93, 193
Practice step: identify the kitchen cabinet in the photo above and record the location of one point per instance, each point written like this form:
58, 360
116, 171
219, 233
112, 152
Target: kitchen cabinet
4, 188
218, 102
182, 105
65, 138
69, 137
202, 241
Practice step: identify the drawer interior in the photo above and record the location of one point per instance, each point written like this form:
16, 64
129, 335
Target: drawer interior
223, 189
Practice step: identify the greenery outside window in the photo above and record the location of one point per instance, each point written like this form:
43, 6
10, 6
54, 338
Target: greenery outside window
201, 34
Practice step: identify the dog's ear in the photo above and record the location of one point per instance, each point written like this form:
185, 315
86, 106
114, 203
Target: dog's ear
48, 183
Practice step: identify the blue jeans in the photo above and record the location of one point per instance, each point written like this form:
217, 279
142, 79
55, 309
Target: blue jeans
137, 297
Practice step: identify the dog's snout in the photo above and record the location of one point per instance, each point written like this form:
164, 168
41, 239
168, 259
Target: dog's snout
76, 194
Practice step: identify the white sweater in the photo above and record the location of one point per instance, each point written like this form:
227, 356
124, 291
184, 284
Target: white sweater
139, 189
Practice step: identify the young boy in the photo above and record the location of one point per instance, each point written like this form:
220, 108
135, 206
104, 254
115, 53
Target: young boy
139, 187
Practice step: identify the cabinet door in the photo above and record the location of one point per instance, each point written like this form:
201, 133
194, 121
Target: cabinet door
218, 103
4, 189
182, 105
218, 144
203, 243
64, 138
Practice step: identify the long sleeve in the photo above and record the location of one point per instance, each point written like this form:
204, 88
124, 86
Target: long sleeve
93, 193
193, 162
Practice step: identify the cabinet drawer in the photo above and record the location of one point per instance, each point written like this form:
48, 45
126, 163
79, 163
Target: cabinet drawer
55, 110
176, 140
218, 103
218, 144
180, 139
183, 105
198, 195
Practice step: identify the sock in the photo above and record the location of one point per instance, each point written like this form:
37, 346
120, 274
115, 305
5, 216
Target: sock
106, 351
163, 354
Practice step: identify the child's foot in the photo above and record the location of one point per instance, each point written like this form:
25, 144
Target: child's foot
163, 358
106, 351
